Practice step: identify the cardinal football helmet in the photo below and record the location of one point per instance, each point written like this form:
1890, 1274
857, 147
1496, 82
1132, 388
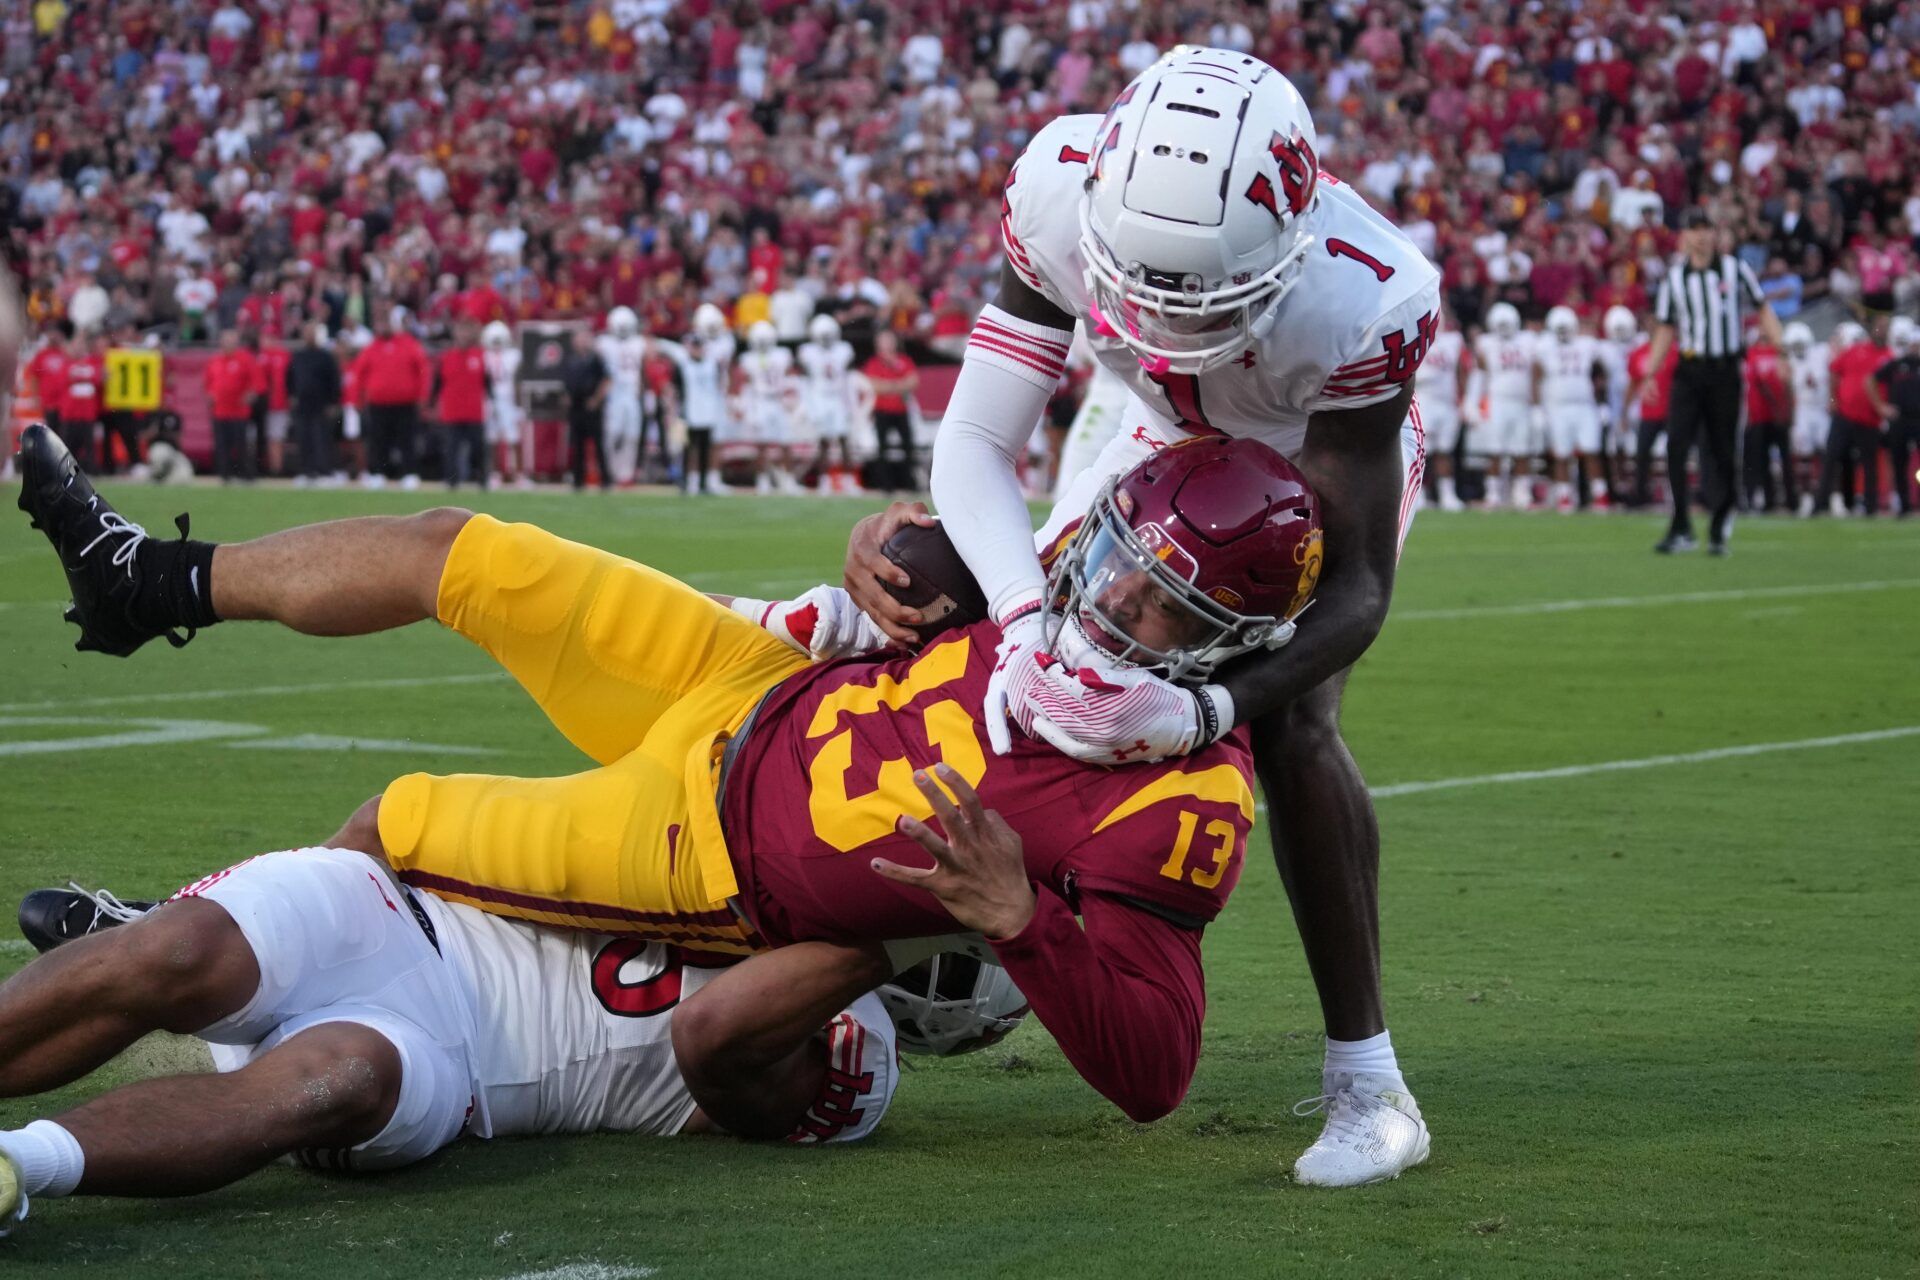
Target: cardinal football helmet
762, 336
497, 335
951, 1004
1847, 333
1902, 333
1219, 537
1201, 186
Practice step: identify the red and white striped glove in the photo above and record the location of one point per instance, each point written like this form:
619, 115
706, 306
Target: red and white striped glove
823, 623
1118, 715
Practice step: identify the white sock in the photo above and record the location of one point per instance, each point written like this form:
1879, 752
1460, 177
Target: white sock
49, 1157
1374, 1056
1447, 492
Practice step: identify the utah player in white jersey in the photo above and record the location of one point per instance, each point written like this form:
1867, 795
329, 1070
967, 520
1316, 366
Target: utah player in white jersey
624, 349
764, 381
1809, 366
1620, 334
1236, 290
705, 360
1566, 363
502, 362
1441, 386
357, 1025
1096, 421
1505, 353
826, 368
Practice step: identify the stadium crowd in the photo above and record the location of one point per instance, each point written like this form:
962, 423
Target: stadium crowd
184, 168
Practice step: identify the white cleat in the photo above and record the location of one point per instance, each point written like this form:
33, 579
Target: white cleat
13, 1198
1372, 1134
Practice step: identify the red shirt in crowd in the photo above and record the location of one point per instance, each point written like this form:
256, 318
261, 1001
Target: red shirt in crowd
1767, 399
463, 385
1656, 389
1146, 854
394, 371
233, 379
888, 369
274, 359
1852, 369
80, 399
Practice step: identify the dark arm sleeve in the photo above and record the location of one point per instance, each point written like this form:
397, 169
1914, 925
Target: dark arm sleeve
1124, 996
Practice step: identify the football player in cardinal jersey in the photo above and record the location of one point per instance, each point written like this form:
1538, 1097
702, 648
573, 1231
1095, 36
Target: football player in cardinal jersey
1441, 386
1809, 365
1238, 291
1565, 365
746, 796
503, 398
826, 366
624, 349
1505, 354
764, 374
356, 1025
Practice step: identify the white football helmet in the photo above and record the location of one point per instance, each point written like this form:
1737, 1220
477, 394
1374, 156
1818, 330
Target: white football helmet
1619, 325
1503, 319
1200, 191
824, 330
709, 321
762, 336
1797, 338
951, 1004
1847, 333
622, 323
1563, 324
497, 335
1902, 333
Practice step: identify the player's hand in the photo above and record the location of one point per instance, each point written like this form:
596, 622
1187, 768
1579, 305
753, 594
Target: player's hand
823, 623
867, 568
1110, 716
979, 869
1016, 664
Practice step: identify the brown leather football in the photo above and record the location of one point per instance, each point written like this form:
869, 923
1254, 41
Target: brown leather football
943, 588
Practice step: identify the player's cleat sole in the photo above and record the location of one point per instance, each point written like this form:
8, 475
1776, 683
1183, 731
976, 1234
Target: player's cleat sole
13, 1196
97, 546
51, 917
1370, 1136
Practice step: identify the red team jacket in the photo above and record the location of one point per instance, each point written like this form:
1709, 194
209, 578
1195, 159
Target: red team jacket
463, 385
1767, 399
1653, 397
1145, 854
86, 381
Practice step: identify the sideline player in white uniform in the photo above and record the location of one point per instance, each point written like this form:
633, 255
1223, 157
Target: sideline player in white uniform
1505, 353
826, 366
1809, 365
1096, 421
358, 1025
1236, 290
1565, 363
706, 368
1620, 334
765, 395
624, 349
502, 362
1441, 386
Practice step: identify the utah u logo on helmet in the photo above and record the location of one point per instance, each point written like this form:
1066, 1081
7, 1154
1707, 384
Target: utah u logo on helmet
1299, 172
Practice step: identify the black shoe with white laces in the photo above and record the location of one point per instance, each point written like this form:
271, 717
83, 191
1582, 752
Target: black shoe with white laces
49, 917
98, 547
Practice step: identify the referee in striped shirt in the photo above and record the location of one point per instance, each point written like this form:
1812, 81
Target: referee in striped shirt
1702, 305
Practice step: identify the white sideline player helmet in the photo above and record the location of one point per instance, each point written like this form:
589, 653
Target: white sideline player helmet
496, 335
951, 1004
1902, 333
762, 336
622, 323
1200, 189
824, 330
1619, 325
1503, 319
1563, 324
709, 321
1797, 338
1847, 334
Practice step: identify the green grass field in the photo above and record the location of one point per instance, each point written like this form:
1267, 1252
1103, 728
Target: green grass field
1661, 1019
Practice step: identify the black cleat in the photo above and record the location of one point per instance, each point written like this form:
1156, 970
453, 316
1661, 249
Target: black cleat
96, 544
49, 917
1673, 544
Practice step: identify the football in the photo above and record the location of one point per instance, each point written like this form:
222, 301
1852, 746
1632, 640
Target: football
943, 588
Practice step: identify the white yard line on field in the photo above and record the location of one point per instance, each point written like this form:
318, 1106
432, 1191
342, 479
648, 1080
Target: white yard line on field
253, 691
587, 1271
1636, 602
1644, 762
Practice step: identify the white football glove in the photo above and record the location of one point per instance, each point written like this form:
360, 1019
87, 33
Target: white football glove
1014, 663
1120, 715
823, 623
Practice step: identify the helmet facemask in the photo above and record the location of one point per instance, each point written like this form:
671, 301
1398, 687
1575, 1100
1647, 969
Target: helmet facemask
1128, 593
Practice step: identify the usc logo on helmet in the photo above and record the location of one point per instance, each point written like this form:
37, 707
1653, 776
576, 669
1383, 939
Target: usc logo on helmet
1306, 554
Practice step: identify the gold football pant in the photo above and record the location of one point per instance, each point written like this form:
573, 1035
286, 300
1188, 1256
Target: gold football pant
642, 673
